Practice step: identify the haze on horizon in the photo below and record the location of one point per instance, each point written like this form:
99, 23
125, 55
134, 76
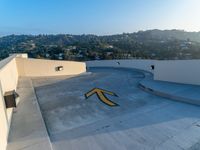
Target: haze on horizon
101, 17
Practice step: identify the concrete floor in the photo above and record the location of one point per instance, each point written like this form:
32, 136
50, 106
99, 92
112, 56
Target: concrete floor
141, 121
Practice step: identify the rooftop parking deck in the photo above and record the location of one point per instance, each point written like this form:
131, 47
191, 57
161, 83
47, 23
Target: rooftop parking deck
140, 121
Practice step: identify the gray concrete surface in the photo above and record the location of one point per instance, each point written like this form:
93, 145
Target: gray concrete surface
28, 131
141, 121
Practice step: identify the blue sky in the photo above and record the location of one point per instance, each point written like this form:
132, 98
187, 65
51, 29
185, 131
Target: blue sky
96, 16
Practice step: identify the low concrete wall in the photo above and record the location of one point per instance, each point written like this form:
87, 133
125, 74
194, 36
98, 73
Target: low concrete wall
179, 71
39, 67
137, 64
4, 123
9, 79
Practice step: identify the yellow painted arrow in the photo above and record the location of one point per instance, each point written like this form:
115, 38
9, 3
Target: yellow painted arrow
101, 96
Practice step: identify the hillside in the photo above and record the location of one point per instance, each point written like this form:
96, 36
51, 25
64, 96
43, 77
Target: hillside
151, 44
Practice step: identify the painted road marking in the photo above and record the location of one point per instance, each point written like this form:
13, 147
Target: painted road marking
100, 93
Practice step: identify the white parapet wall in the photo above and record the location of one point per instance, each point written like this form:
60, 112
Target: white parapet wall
135, 63
9, 79
179, 71
41, 68
19, 65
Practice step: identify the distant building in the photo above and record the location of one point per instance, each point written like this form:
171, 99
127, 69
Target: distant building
47, 55
109, 53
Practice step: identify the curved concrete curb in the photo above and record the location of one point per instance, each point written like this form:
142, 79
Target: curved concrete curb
168, 95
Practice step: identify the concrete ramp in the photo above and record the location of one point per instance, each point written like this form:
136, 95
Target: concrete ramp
140, 121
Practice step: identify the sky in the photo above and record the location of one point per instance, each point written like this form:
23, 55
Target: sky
101, 17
